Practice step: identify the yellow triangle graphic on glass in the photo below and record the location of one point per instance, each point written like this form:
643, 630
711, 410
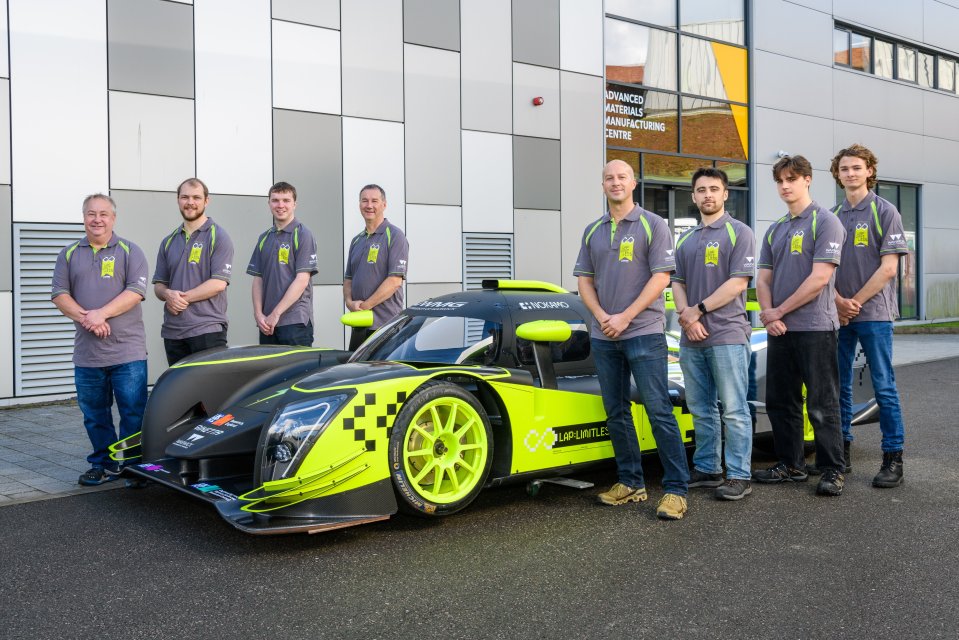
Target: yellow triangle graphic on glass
733, 69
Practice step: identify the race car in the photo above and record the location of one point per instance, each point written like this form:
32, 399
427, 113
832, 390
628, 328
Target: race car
460, 392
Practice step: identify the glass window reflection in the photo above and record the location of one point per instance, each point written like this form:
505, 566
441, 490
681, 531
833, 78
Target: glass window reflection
883, 53
906, 69
709, 129
641, 119
840, 46
718, 19
713, 70
735, 171
673, 169
640, 55
859, 52
947, 74
662, 12
926, 73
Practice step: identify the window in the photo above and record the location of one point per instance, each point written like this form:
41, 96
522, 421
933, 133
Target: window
894, 60
884, 59
640, 55
840, 47
906, 63
859, 52
947, 74
927, 70
661, 12
717, 19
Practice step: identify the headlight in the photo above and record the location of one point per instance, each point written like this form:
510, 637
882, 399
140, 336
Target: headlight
294, 431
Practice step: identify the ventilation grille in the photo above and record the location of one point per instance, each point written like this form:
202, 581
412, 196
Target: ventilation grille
43, 351
486, 256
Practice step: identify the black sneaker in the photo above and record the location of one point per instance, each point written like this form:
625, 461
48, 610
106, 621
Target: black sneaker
890, 474
733, 489
94, 476
831, 483
780, 473
699, 479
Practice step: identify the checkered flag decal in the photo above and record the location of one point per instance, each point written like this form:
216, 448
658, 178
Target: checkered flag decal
375, 420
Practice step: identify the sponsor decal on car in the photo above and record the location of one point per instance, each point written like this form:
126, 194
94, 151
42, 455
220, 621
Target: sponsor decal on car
213, 490
543, 304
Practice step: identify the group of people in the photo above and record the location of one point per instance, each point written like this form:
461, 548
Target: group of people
100, 281
825, 284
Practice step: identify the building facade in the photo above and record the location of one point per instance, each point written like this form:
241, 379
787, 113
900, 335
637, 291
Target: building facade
436, 100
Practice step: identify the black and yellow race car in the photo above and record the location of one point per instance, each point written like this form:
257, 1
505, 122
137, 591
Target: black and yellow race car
460, 392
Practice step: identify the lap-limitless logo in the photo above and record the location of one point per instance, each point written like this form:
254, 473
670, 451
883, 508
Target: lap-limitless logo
568, 436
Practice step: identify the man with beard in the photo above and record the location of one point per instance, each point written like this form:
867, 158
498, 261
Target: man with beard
192, 272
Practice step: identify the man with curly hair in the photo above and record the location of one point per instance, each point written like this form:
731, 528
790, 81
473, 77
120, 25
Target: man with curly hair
866, 300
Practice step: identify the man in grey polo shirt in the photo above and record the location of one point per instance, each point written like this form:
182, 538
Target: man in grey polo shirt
99, 283
282, 265
376, 265
714, 263
193, 269
623, 267
866, 300
797, 265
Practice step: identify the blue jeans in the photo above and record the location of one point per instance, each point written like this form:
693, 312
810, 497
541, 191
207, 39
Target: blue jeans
876, 341
643, 357
719, 373
96, 388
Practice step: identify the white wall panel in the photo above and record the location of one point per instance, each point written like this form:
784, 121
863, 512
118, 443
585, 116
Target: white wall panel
151, 141
793, 133
939, 25
939, 206
537, 235
941, 296
581, 36
487, 182
939, 161
4, 41
306, 68
939, 113
59, 106
531, 82
6, 339
372, 33
582, 156
233, 99
4, 131
327, 309
436, 243
770, 207
372, 153
873, 101
808, 37
486, 62
784, 83
432, 90
892, 16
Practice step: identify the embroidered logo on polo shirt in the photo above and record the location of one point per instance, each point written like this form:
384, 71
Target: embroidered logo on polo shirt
626, 249
106, 266
284, 254
795, 246
195, 253
373, 254
712, 254
862, 235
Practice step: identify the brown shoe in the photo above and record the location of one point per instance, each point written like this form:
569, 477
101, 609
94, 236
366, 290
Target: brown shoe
671, 507
619, 493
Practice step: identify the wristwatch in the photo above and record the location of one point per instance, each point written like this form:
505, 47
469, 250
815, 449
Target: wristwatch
702, 308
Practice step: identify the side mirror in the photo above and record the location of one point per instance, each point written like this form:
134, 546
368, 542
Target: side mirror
358, 319
544, 331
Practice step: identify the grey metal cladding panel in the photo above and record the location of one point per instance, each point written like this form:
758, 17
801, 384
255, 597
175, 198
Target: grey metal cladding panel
321, 13
892, 16
536, 178
940, 25
433, 137
371, 42
536, 32
6, 240
307, 153
809, 36
486, 64
150, 47
434, 23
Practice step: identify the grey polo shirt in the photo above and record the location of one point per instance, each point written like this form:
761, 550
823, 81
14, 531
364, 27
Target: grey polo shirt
790, 248
621, 258
706, 257
187, 261
95, 277
373, 257
277, 257
873, 229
